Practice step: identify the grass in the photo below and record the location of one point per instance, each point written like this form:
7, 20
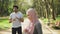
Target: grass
4, 24
57, 19
53, 22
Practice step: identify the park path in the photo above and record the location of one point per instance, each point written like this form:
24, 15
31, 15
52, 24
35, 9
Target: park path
45, 28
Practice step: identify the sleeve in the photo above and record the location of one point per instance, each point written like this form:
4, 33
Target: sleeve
10, 16
21, 15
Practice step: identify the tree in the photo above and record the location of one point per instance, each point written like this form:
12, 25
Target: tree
38, 4
4, 4
46, 8
7, 5
23, 5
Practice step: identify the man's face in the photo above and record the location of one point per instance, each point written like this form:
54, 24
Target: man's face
15, 9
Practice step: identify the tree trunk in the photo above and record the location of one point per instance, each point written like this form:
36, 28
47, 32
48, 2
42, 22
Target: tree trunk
53, 12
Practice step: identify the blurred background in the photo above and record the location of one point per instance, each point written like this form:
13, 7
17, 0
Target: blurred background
48, 12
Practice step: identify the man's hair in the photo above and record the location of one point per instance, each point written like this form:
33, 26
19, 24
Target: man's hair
15, 6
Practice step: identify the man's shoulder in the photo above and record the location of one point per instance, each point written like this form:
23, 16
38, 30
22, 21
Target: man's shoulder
12, 13
20, 12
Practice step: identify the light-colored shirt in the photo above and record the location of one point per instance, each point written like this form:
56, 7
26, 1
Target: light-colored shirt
16, 23
32, 15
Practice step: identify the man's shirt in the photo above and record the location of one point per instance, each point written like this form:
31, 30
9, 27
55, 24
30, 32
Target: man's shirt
16, 23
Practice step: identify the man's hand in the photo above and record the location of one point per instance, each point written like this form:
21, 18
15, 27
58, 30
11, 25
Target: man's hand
14, 20
10, 20
20, 19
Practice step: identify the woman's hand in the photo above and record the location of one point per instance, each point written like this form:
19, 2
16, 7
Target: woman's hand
25, 30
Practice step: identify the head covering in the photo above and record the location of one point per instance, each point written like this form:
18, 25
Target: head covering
32, 15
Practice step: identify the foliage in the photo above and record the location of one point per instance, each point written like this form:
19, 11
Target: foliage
6, 6
4, 24
44, 8
47, 8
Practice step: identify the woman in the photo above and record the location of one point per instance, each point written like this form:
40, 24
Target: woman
35, 26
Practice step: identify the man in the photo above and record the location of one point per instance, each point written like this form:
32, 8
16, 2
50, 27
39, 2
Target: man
32, 16
16, 18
